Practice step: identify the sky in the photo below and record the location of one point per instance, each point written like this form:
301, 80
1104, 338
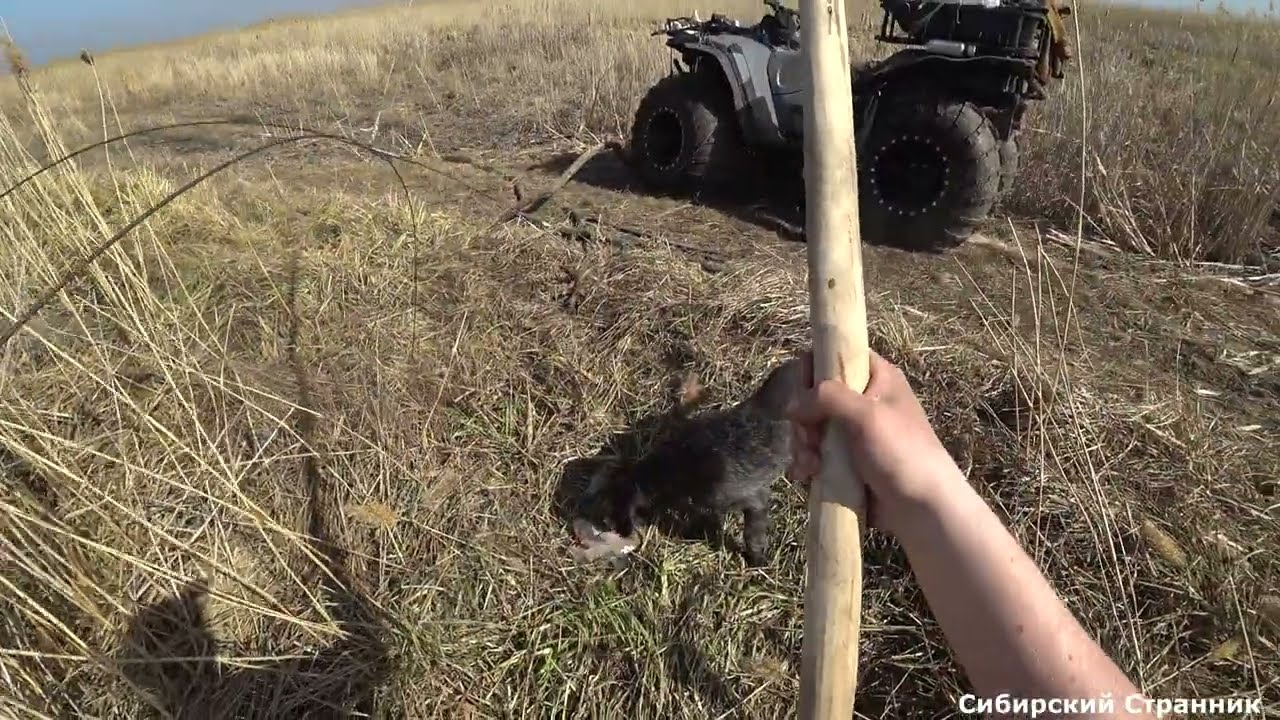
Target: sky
48, 29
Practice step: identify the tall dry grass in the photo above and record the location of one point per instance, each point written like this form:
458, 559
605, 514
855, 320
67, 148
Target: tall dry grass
1177, 116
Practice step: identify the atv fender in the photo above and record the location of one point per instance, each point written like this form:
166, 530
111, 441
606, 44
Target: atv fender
981, 81
744, 64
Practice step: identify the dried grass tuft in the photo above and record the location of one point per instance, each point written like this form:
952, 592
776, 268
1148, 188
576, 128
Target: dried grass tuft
1163, 544
16, 59
1228, 650
1269, 611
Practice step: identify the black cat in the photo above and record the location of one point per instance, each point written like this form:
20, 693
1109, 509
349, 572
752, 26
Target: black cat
712, 463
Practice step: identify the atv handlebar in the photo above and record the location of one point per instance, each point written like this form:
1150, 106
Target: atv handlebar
717, 24
782, 20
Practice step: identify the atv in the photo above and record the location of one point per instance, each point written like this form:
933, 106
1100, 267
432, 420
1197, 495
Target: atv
936, 123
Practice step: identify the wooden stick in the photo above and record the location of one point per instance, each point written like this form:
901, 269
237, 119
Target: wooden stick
837, 499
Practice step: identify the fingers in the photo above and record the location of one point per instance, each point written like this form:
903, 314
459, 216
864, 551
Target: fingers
811, 407
804, 449
808, 436
879, 366
881, 371
803, 468
814, 404
830, 398
806, 366
883, 375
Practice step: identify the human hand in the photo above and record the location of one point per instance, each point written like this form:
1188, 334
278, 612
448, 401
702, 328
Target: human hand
892, 447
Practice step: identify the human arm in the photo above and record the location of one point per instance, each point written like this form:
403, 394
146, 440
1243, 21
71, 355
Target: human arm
1006, 626
1008, 629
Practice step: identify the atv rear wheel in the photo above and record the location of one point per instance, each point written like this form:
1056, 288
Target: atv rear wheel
929, 172
684, 137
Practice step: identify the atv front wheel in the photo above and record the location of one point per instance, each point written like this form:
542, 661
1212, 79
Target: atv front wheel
684, 138
929, 172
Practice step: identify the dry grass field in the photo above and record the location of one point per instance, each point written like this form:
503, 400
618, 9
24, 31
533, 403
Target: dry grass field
303, 442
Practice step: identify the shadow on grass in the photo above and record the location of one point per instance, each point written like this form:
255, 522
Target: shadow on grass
770, 195
771, 199
573, 498
170, 652
687, 661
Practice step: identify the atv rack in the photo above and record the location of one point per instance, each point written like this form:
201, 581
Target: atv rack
1017, 29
